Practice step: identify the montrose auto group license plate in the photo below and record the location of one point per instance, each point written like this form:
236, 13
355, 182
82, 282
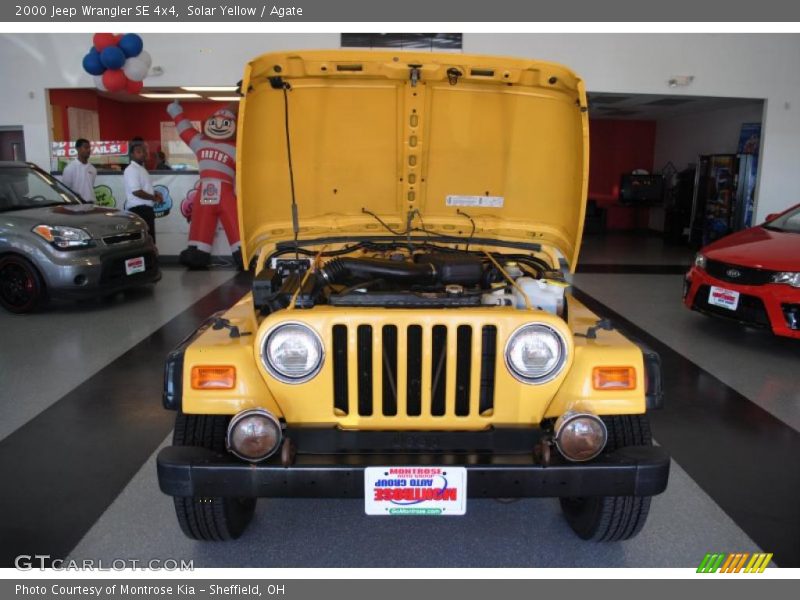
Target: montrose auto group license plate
438, 491
725, 298
134, 265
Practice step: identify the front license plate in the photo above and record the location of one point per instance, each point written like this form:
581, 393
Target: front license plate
134, 265
436, 491
725, 298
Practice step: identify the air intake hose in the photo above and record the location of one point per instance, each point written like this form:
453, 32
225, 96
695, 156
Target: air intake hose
352, 270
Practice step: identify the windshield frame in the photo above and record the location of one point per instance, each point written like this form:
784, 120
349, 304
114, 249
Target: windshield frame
68, 196
775, 224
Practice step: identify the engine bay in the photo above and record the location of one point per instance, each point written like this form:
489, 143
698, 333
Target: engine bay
396, 276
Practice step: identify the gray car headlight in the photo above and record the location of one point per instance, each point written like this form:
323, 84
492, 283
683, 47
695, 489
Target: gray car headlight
787, 277
535, 353
64, 238
292, 353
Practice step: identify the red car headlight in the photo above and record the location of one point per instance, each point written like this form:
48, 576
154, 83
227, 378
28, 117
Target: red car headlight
788, 278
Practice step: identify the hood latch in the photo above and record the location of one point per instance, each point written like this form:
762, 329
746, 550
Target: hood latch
415, 74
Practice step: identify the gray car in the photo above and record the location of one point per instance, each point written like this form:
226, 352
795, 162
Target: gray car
54, 245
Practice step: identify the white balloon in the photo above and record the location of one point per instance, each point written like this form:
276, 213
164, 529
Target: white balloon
98, 82
135, 68
145, 56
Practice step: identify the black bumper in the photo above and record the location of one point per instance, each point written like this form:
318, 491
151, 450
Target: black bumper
190, 471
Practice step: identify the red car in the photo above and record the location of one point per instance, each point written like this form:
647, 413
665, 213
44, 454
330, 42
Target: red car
752, 276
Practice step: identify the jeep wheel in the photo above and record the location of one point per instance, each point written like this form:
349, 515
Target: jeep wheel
201, 518
21, 286
612, 518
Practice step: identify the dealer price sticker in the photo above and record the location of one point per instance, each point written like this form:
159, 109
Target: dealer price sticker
134, 265
725, 298
433, 491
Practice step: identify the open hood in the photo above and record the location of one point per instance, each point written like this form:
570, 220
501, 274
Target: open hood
417, 136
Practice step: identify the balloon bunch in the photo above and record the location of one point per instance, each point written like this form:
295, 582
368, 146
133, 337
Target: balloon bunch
117, 62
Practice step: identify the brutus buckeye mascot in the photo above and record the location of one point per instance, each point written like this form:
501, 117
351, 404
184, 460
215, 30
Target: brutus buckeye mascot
215, 149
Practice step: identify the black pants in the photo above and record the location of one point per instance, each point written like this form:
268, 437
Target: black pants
148, 214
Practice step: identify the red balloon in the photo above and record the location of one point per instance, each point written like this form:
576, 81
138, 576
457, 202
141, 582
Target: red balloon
115, 80
118, 38
134, 87
104, 40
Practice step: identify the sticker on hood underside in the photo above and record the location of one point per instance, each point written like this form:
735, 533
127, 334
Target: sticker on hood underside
479, 201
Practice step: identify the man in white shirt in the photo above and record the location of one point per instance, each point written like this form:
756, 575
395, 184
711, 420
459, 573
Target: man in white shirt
139, 196
79, 175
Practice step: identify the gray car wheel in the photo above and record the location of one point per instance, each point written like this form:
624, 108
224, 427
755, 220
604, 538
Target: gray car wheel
22, 288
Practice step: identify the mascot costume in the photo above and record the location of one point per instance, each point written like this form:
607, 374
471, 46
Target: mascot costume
215, 149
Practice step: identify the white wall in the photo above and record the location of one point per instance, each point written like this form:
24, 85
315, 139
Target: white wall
682, 139
740, 65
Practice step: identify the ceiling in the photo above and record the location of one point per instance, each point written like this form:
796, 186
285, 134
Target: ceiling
125, 97
655, 106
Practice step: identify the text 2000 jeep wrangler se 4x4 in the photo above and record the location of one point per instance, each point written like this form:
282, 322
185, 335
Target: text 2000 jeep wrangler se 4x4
410, 339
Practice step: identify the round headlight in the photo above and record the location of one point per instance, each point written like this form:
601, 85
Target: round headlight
580, 436
535, 353
292, 353
254, 434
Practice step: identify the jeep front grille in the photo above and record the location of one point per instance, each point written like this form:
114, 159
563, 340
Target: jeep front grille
413, 371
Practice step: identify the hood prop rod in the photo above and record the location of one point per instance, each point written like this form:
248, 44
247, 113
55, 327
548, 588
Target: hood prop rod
295, 217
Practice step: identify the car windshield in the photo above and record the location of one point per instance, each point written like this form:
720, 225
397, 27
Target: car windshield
788, 222
23, 187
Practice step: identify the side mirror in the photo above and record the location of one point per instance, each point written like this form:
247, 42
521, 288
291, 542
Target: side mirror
771, 217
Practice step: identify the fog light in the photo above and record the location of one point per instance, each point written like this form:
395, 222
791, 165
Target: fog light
254, 434
580, 436
791, 313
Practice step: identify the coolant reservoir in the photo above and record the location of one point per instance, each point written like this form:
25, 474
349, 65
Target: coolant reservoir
545, 294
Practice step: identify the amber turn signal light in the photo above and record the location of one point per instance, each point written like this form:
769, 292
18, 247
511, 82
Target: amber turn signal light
213, 378
614, 378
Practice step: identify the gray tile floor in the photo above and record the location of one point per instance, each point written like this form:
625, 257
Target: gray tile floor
630, 248
45, 355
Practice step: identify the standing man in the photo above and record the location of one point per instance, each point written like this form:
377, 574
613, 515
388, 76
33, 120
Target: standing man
139, 196
79, 175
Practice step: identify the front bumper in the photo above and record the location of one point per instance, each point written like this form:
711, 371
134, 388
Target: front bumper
633, 471
765, 305
99, 271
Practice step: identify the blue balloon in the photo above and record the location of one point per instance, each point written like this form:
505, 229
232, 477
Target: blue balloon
112, 58
131, 45
92, 64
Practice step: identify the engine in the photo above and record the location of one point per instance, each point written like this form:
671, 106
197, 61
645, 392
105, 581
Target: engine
442, 278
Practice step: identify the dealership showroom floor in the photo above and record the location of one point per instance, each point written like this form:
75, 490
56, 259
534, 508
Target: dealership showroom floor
81, 422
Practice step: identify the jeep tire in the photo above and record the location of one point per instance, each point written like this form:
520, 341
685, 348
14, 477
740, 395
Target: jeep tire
612, 518
209, 518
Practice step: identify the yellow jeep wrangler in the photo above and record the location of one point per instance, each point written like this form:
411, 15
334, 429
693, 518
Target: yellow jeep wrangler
411, 340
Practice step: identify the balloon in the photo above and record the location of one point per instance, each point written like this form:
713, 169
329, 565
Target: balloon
117, 38
131, 44
145, 56
134, 87
92, 64
115, 80
112, 58
98, 83
103, 40
136, 68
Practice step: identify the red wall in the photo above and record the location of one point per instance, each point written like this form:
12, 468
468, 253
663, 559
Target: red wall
617, 147
125, 120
